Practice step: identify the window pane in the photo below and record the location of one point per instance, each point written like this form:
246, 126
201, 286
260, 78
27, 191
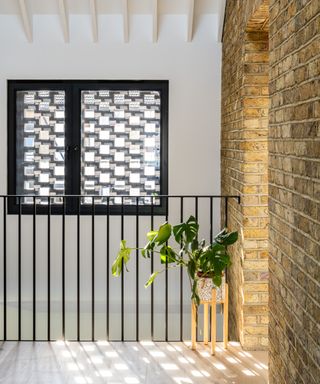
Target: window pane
120, 152
40, 144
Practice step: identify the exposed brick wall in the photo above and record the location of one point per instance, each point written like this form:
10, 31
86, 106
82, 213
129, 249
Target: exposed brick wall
244, 162
294, 179
294, 145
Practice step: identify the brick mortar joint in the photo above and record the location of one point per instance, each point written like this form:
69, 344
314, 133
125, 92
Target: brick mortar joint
300, 194
301, 47
296, 104
277, 124
301, 65
317, 262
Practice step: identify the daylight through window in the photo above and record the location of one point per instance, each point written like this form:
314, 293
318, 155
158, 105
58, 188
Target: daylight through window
106, 140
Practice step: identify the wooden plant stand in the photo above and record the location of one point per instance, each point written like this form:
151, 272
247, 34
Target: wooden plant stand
213, 304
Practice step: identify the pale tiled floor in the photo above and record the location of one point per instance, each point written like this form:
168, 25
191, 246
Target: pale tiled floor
128, 363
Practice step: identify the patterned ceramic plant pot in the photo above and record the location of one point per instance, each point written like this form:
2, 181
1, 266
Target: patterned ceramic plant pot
205, 286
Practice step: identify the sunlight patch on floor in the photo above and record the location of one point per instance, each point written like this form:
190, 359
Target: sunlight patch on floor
129, 363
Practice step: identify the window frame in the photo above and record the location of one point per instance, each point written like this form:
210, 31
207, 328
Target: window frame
73, 90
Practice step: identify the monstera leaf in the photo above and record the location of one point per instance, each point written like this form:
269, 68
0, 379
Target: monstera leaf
167, 255
187, 231
163, 235
156, 238
226, 238
122, 259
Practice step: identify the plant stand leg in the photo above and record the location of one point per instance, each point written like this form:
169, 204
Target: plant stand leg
193, 326
206, 324
213, 322
225, 317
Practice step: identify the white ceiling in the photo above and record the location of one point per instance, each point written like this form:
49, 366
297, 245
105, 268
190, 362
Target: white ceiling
110, 6
26, 9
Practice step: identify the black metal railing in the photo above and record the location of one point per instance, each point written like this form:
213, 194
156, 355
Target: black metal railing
41, 284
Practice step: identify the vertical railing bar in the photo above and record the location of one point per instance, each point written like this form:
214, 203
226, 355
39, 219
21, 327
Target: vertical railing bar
226, 212
196, 208
78, 267
19, 270
92, 271
34, 270
122, 276
211, 220
49, 271
107, 267
181, 279
166, 277
63, 270
211, 240
226, 226
4, 268
137, 269
152, 267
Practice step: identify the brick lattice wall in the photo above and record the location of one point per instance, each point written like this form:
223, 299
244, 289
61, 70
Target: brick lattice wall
244, 162
294, 144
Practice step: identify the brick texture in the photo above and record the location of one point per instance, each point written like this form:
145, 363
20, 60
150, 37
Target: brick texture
291, 143
244, 162
294, 191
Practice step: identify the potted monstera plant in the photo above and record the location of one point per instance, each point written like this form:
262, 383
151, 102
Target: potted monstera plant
205, 263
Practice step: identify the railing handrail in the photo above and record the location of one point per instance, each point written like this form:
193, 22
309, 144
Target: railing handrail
129, 196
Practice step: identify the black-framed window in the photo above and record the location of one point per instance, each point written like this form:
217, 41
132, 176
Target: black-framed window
107, 139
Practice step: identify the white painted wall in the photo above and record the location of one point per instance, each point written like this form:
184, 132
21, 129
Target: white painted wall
193, 71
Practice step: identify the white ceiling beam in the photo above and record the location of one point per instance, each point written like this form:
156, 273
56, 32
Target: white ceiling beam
154, 21
222, 9
190, 20
125, 21
94, 19
27, 25
64, 20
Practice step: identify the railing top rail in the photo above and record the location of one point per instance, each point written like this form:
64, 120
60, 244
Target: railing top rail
129, 196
